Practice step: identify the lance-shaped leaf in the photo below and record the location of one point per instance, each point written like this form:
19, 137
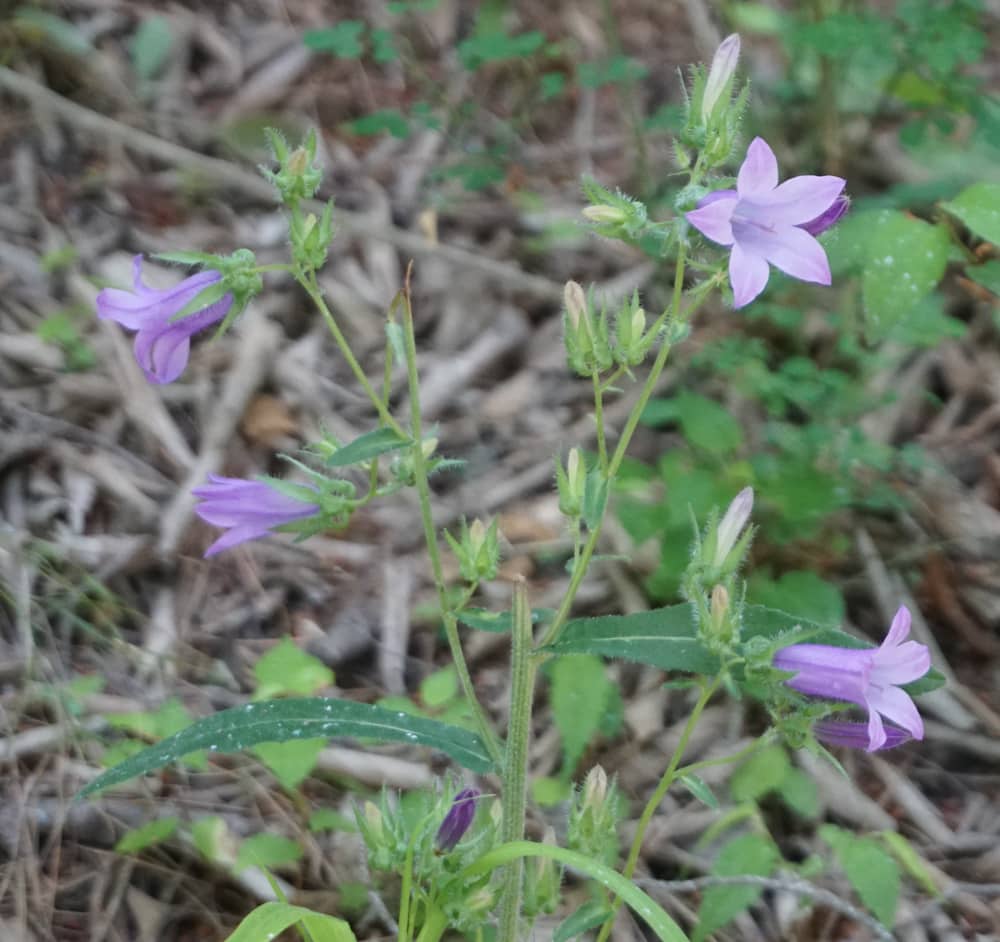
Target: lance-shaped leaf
289, 720
368, 446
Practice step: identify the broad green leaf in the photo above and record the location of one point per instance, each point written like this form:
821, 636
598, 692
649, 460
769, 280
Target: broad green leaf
267, 851
155, 832
151, 45
579, 696
906, 258
700, 789
705, 423
749, 854
269, 919
283, 720
870, 869
342, 40
664, 637
800, 592
588, 916
987, 275
763, 772
290, 762
368, 446
439, 688
978, 206
799, 792
286, 668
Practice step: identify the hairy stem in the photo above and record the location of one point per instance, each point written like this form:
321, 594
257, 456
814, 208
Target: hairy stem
486, 732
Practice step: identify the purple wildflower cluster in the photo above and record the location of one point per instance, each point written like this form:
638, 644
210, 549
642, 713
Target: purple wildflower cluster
869, 678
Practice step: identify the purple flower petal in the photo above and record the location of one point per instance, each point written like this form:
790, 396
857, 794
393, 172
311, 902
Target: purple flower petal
825, 220
897, 705
759, 173
713, 218
856, 735
789, 248
748, 275
800, 199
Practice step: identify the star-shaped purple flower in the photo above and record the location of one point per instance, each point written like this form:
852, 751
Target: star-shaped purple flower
162, 346
767, 223
869, 678
248, 509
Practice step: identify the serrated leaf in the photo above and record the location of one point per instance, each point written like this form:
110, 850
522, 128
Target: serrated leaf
286, 668
978, 206
368, 446
588, 916
269, 919
579, 697
700, 789
267, 851
283, 720
155, 832
748, 854
763, 772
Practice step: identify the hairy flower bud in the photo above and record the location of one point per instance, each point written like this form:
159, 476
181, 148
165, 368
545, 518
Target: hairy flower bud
605, 215
571, 483
731, 525
720, 76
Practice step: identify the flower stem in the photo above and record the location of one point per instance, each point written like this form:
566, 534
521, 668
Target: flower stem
515, 778
580, 569
486, 732
669, 776
602, 448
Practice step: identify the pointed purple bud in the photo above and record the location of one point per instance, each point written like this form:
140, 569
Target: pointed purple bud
457, 820
855, 735
868, 677
731, 525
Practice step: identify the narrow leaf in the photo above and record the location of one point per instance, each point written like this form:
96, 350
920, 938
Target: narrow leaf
284, 720
368, 446
266, 921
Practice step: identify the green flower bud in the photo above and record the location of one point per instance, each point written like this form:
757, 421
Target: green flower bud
477, 550
605, 215
296, 178
571, 483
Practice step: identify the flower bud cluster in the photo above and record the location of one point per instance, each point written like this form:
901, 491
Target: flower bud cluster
593, 817
590, 347
477, 550
297, 177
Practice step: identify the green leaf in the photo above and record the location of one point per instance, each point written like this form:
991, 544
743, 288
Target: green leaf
552, 84
987, 275
912, 862
155, 832
496, 47
800, 592
588, 916
187, 258
212, 839
383, 46
763, 772
799, 792
368, 446
663, 637
439, 688
872, 872
326, 819
283, 720
579, 696
700, 789
151, 46
704, 423
483, 619
385, 119
549, 792
906, 258
267, 851
290, 762
286, 668
269, 919
342, 40
978, 206
749, 854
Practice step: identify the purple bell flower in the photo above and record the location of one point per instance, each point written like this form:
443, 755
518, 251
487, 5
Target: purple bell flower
162, 346
458, 819
869, 678
855, 735
769, 224
248, 509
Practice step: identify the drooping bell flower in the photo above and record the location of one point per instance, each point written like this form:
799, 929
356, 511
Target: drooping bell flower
769, 224
870, 678
162, 344
247, 509
855, 735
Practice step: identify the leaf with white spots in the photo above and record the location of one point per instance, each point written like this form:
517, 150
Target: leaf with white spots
288, 720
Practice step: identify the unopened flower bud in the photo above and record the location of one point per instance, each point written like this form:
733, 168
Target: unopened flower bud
571, 483
458, 819
720, 75
373, 818
719, 608
595, 787
605, 215
298, 161
428, 446
576, 303
731, 525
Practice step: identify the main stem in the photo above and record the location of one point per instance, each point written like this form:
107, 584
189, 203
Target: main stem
654, 802
515, 778
580, 569
486, 732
